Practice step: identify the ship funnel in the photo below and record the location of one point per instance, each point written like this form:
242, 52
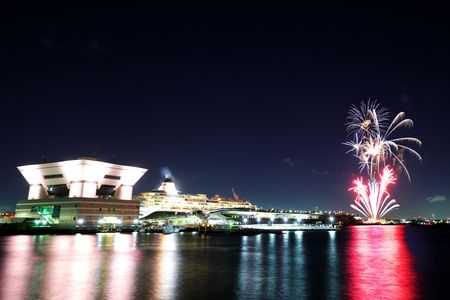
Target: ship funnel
168, 186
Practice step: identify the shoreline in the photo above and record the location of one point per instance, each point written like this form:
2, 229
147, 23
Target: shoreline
73, 231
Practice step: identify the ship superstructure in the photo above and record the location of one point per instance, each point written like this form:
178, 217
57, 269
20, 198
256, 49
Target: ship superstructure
168, 198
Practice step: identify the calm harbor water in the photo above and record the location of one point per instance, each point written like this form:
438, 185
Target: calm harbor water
364, 262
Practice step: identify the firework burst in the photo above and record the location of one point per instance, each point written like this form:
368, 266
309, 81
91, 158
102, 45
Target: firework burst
373, 144
375, 149
372, 198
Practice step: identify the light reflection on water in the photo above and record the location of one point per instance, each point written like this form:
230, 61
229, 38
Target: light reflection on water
166, 268
16, 267
333, 271
122, 267
379, 264
358, 263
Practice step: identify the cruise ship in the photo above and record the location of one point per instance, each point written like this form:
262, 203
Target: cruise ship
168, 198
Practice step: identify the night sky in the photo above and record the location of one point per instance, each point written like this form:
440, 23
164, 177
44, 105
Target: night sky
254, 99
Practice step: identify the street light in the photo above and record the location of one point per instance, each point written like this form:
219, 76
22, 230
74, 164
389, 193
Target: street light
80, 221
272, 219
331, 220
245, 220
258, 219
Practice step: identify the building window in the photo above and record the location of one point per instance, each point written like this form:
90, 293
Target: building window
58, 190
53, 176
56, 211
112, 177
106, 190
100, 209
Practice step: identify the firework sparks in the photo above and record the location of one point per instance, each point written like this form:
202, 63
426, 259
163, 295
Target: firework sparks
372, 145
375, 150
372, 198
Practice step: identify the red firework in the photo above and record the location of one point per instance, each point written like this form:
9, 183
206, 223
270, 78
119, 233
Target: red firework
372, 198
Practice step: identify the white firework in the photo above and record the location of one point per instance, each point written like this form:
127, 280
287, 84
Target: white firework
372, 143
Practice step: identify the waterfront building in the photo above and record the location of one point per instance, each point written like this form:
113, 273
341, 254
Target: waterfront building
168, 198
83, 191
5, 217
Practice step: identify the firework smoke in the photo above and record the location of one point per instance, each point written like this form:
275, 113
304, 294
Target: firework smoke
166, 173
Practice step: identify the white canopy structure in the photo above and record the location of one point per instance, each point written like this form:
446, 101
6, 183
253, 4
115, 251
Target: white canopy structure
83, 177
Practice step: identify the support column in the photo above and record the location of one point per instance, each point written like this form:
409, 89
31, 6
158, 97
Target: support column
89, 189
124, 192
86, 189
76, 188
37, 191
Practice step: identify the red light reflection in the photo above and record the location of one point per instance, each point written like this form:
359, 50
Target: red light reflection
379, 264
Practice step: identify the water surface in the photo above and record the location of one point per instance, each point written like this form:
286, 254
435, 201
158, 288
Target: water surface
364, 262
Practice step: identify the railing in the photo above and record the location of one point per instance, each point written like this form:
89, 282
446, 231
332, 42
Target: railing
289, 227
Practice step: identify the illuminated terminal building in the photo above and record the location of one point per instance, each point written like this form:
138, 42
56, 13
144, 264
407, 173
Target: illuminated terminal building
168, 198
87, 192
82, 191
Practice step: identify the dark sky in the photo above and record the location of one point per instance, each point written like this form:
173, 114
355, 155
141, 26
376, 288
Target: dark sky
251, 98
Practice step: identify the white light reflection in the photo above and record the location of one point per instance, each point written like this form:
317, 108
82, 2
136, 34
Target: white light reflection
166, 267
81, 267
332, 235
300, 280
135, 240
122, 242
286, 263
332, 266
123, 268
250, 266
17, 266
84, 243
271, 263
57, 262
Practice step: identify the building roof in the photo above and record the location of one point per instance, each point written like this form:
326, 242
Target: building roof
83, 169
